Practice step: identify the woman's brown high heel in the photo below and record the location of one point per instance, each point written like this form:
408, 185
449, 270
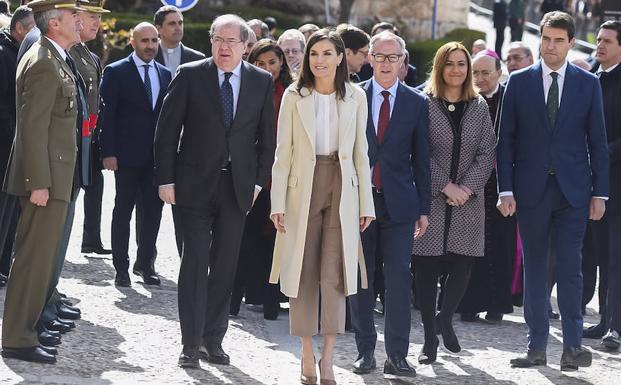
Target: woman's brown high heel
306, 380
323, 381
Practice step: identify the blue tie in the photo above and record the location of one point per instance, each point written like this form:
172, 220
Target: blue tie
226, 95
147, 84
552, 104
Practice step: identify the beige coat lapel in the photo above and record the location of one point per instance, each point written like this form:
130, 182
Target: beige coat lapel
306, 110
346, 110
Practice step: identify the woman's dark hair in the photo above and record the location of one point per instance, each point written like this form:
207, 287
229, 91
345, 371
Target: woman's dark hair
267, 45
307, 79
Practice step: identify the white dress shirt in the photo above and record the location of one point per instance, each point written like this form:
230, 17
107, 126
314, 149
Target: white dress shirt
326, 124
601, 69
154, 76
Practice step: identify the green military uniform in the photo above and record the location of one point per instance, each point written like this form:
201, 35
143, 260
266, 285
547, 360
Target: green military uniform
43, 157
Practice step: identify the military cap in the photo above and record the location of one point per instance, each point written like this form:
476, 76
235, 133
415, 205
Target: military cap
48, 5
93, 6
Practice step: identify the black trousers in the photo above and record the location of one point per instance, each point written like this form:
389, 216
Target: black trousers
9, 214
595, 254
211, 241
613, 304
500, 40
93, 194
128, 181
517, 29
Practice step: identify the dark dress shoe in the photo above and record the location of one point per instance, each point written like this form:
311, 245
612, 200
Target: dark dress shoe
122, 279
365, 363
66, 313
67, 322
493, 318
396, 366
430, 352
270, 311
532, 358
58, 326
214, 353
189, 357
47, 339
611, 340
574, 358
149, 277
33, 354
3, 280
99, 249
49, 349
51, 332
594, 332
71, 307
469, 317
449, 338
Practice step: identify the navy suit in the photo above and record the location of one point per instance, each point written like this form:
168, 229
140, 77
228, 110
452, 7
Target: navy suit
404, 162
553, 172
128, 131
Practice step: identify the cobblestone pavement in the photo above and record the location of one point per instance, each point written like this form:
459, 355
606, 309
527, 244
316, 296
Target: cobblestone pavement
131, 336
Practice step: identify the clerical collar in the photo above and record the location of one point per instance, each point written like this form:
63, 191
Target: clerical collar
489, 96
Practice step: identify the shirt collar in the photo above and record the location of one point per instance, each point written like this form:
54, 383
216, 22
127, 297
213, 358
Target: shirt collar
169, 50
600, 69
493, 92
236, 71
139, 62
378, 88
60, 49
547, 70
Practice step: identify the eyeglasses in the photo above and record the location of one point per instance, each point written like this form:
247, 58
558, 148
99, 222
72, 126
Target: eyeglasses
380, 57
293, 51
515, 58
484, 74
217, 40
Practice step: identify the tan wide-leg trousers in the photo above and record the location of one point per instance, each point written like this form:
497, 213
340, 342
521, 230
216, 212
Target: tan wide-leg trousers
322, 266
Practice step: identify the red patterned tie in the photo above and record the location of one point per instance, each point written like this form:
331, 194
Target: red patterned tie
382, 126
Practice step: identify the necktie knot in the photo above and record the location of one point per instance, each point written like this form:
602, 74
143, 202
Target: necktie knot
386, 95
554, 75
227, 76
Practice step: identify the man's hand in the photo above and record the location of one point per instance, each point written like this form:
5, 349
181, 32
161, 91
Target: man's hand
110, 163
597, 209
40, 197
455, 194
506, 205
279, 222
167, 194
365, 222
421, 226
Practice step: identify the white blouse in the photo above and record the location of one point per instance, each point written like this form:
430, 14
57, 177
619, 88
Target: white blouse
326, 124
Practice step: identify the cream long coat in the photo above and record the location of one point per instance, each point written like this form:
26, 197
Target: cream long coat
292, 182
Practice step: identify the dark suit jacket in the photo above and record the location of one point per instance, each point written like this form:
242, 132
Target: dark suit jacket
8, 68
403, 154
575, 148
187, 55
193, 161
129, 120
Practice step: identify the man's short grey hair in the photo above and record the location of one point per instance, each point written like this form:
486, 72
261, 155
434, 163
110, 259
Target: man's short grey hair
231, 19
293, 34
19, 16
522, 46
386, 36
42, 19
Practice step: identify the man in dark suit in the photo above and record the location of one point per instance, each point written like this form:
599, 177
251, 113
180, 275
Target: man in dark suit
172, 53
42, 173
213, 173
605, 233
132, 92
553, 161
401, 176
10, 39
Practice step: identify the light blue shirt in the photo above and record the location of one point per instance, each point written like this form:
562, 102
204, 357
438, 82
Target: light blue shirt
154, 76
378, 99
235, 81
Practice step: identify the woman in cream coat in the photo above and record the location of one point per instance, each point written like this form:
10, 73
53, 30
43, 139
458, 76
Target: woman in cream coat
321, 197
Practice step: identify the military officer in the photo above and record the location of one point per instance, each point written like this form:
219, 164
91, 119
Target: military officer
42, 172
89, 67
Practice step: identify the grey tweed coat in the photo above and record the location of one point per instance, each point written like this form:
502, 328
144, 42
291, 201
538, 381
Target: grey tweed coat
458, 230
